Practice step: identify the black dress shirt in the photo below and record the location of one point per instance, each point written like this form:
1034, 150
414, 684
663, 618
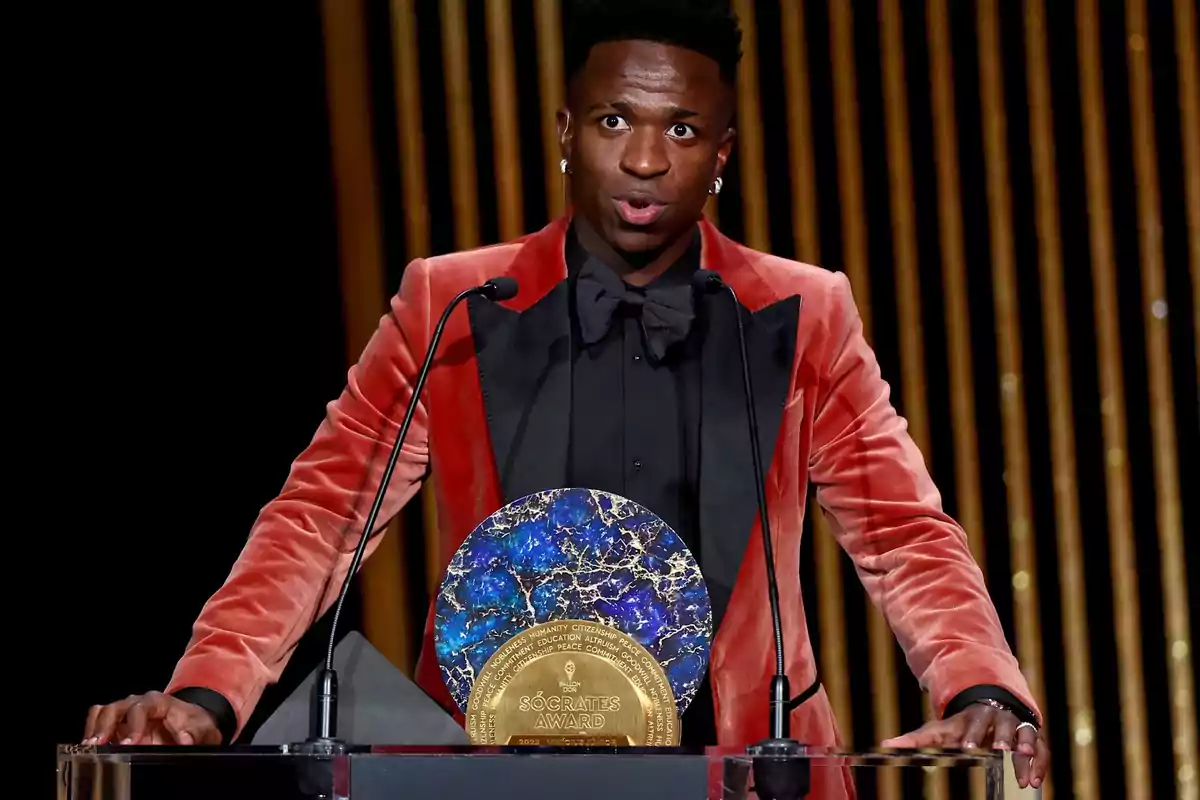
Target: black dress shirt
635, 419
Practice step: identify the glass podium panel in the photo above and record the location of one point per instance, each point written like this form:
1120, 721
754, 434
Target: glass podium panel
184, 773
511, 773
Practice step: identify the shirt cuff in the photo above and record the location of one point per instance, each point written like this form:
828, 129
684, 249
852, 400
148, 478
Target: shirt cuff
214, 703
974, 694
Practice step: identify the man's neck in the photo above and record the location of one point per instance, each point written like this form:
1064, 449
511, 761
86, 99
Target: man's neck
636, 269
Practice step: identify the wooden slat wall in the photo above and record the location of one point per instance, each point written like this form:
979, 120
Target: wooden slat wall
1073, 594
1155, 308
954, 280
1000, 185
1113, 411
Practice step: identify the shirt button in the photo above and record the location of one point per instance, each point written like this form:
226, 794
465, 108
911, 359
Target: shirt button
637, 358
637, 464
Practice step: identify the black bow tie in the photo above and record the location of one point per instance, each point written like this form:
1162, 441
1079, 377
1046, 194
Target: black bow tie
666, 311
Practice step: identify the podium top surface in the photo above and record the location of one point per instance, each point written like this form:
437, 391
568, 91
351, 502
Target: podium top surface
825, 755
381, 772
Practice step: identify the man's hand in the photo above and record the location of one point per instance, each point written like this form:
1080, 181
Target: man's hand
152, 718
984, 726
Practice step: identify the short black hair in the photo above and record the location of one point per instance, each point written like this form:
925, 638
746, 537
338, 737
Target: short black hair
705, 26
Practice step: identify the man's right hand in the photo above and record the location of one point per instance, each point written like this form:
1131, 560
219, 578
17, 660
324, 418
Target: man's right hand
152, 718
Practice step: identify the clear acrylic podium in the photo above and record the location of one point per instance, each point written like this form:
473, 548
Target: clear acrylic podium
494, 773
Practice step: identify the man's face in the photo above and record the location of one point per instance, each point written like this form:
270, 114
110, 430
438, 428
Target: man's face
646, 134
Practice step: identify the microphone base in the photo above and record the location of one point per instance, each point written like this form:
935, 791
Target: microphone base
780, 770
320, 746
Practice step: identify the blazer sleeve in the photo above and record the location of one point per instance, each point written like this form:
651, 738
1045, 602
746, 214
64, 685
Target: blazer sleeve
300, 546
886, 512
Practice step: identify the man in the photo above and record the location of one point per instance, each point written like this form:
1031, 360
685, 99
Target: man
610, 371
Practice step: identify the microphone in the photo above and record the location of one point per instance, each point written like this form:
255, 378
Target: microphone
779, 773
323, 709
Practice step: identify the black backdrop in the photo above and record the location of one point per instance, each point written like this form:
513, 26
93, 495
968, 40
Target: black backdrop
189, 329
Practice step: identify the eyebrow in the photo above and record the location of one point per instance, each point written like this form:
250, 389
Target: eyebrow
676, 112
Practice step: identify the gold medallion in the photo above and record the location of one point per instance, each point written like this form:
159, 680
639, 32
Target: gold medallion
572, 682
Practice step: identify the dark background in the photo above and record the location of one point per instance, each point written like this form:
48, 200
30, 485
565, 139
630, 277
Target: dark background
191, 330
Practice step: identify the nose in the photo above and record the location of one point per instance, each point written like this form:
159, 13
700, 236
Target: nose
645, 154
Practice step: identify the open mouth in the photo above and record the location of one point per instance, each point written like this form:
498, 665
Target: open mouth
639, 210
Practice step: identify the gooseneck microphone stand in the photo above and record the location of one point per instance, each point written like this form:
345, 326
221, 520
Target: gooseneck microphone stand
779, 771
323, 710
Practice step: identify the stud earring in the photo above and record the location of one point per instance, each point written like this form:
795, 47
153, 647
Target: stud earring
716, 186
562, 166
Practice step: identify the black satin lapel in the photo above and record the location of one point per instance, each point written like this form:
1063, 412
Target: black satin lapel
728, 501
771, 348
525, 374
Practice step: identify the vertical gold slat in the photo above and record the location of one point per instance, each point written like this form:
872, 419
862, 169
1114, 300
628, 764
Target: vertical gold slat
885, 694
849, 157
547, 19
360, 245
1072, 590
968, 485
904, 225
463, 190
835, 667
805, 229
1189, 122
1189, 108
904, 246
1123, 558
1162, 403
750, 137
415, 191
1008, 346
414, 183
506, 139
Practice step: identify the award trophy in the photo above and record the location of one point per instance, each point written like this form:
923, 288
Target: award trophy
573, 617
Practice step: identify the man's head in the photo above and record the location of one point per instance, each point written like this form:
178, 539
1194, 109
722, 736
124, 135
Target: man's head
648, 123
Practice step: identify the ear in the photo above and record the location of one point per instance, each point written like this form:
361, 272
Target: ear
724, 150
566, 132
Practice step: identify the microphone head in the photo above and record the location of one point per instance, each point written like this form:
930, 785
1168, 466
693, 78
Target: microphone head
707, 281
500, 288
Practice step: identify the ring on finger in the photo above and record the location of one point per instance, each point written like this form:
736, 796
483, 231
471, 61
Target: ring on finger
1029, 725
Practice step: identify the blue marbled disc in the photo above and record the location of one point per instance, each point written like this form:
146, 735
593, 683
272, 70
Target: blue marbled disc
573, 554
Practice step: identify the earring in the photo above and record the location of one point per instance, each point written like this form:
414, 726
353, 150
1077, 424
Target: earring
562, 166
716, 186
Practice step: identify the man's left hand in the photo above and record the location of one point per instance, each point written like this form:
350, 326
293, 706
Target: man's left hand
982, 726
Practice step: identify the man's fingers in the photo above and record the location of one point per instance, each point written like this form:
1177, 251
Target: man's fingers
907, 741
1040, 765
147, 709
978, 727
89, 727
1031, 758
187, 725
106, 721
1021, 765
928, 735
1027, 737
1004, 732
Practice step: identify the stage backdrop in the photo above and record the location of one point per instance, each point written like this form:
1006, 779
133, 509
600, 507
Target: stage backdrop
1014, 192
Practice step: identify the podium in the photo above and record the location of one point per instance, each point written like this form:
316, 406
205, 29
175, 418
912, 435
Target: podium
499, 773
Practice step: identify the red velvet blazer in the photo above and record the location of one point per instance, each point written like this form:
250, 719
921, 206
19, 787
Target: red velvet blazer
492, 426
